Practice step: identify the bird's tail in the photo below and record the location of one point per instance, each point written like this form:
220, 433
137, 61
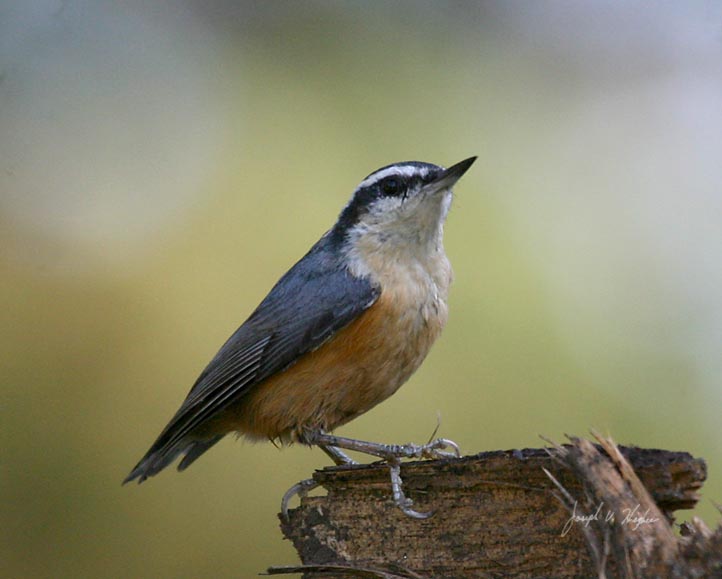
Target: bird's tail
159, 457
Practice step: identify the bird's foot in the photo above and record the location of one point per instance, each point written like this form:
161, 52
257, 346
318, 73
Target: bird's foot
301, 489
434, 450
331, 444
392, 454
402, 501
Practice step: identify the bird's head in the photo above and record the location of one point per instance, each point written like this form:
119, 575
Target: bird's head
399, 209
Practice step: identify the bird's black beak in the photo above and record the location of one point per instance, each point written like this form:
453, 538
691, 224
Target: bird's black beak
448, 177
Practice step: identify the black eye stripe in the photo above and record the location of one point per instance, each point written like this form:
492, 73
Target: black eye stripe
410, 175
392, 186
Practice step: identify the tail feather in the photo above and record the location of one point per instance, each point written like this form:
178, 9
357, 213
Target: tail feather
157, 458
195, 450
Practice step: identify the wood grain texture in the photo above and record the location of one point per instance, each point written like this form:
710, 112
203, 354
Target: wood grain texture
496, 515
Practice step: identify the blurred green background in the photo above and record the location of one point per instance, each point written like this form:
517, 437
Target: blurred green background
163, 163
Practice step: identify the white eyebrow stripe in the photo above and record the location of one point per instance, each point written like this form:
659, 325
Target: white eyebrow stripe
400, 170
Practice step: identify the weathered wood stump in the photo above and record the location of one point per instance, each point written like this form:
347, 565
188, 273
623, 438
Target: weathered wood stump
578, 510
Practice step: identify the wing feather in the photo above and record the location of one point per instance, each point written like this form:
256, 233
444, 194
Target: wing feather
313, 301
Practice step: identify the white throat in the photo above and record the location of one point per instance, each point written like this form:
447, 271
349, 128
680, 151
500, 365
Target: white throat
393, 242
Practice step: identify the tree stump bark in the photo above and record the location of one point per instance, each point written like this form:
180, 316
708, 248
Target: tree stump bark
579, 510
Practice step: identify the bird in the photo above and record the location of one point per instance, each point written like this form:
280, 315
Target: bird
339, 333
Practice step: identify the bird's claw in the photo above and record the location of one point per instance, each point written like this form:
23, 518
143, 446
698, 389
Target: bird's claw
402, 501
301, 489
438, 449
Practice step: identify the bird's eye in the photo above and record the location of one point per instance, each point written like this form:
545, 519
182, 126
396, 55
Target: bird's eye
391, 187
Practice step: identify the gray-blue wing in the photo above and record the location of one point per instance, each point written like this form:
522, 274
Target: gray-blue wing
308, 305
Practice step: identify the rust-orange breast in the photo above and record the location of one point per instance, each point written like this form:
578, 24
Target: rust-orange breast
362, 365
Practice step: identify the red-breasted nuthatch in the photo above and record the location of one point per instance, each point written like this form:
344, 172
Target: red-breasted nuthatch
340, 332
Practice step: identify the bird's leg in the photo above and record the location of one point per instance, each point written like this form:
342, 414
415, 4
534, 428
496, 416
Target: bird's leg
337, 455
435, 449
392, 455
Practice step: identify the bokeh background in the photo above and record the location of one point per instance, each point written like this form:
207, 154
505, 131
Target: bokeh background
163, 163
